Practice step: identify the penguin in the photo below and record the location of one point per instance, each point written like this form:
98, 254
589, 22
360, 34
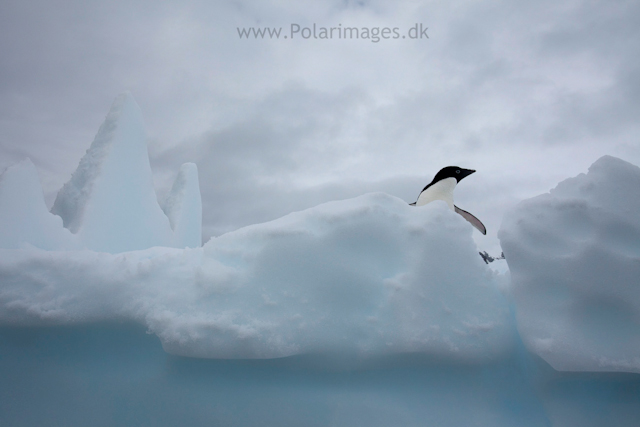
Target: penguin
441, 188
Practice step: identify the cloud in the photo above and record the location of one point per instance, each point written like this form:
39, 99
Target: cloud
526, 93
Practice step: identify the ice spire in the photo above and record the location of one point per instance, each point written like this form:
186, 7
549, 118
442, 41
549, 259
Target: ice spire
110, 201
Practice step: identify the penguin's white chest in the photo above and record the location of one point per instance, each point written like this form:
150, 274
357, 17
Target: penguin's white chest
441, 190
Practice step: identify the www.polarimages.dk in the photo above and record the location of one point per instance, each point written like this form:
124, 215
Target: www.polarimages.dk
374, 34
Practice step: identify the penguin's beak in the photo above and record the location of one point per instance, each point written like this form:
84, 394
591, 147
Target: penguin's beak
465, 173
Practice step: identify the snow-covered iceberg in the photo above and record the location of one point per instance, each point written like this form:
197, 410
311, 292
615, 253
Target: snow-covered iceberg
368, 276
364, 311
574, 258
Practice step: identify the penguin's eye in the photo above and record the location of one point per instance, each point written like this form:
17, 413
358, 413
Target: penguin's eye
458, 171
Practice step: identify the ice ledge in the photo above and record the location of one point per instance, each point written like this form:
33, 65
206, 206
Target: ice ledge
367, 276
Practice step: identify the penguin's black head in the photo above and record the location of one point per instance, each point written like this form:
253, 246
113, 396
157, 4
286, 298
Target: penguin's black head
452, 172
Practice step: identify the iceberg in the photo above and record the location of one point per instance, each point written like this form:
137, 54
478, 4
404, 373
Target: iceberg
574, 259
366, 276
364, 311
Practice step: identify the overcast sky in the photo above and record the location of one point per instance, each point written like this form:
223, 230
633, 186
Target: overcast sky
526, 93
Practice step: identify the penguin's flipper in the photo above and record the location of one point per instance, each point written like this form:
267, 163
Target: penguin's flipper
472, 219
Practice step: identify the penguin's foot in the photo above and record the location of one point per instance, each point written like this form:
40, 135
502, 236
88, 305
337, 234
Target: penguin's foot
488, 258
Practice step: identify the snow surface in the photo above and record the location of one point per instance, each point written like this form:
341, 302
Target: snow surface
574, 258
364, 311
370, 276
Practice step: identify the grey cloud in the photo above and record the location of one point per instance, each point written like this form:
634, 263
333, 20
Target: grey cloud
276, 127
248, 170
605, 36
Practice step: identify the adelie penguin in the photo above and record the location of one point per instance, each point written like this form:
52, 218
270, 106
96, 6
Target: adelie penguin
441, 188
